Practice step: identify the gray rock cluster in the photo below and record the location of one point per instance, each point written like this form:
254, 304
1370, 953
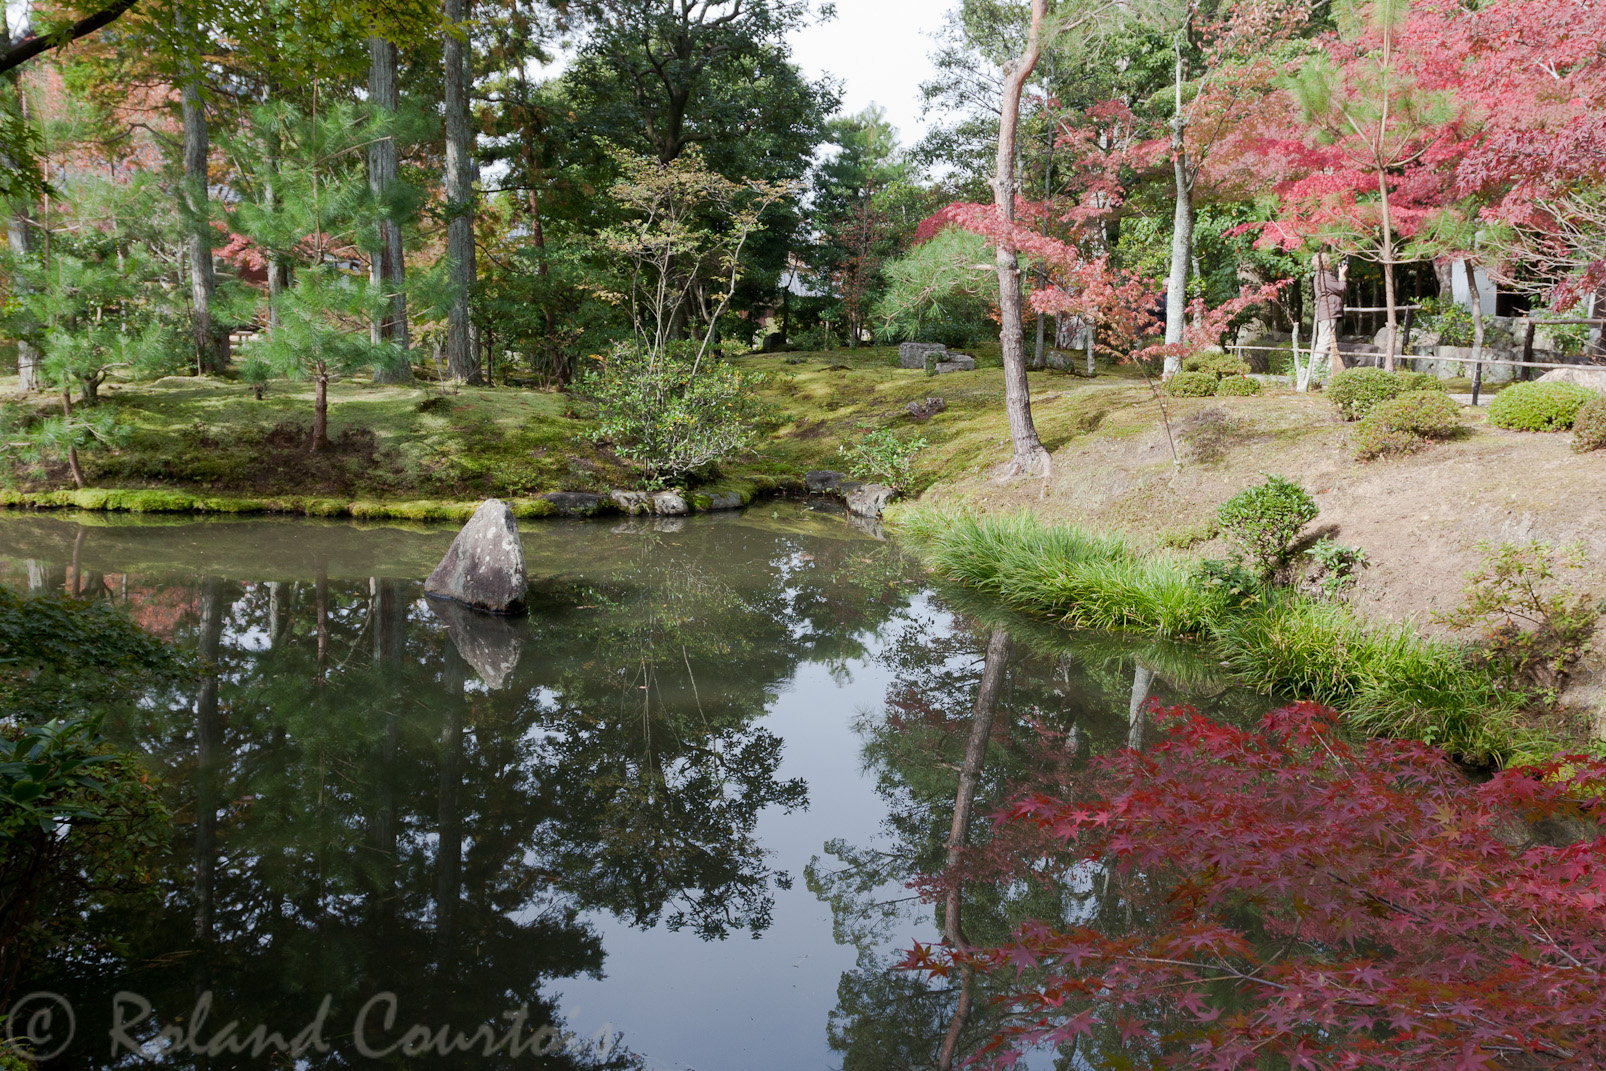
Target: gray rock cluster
934, 355
913, 354
484, 567
656, 503
863, 499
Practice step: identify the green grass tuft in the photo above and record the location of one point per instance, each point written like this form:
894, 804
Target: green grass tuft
1389, 680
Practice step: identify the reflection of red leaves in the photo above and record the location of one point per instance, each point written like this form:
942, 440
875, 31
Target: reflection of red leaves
1398, 927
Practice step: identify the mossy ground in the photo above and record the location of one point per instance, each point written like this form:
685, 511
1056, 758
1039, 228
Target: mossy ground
207, 444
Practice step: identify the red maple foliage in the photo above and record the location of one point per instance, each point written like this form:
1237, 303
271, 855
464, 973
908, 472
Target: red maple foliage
1281, 893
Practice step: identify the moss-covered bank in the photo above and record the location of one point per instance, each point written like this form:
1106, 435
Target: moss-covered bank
1389, 679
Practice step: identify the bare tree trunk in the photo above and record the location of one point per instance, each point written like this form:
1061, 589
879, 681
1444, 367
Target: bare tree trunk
211, 354
20, 242
462, 362
19, 236
72, 449
1477, 313
981, 731
387, 271
1029, 454
1597, 333
277, 271
1176, 294
320, 411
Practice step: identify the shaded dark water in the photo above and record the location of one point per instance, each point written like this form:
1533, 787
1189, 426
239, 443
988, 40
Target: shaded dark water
666, 820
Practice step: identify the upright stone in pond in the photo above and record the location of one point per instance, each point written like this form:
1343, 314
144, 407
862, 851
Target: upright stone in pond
870, 500
914, 354
485, 566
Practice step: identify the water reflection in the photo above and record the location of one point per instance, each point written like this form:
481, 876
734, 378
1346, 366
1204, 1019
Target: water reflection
378, 793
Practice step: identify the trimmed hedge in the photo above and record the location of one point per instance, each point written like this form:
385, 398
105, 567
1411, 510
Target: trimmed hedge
1217, 364
1192, 385
1403, 424
1539, 406
1589, 426
1356, 390
1238, 387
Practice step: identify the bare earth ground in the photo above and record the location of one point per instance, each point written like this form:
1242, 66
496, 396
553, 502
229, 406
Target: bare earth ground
1420, 519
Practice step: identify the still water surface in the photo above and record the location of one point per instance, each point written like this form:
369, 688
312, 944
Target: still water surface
670, 813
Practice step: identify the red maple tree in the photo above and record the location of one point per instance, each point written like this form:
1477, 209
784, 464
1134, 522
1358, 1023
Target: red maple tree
1282, 893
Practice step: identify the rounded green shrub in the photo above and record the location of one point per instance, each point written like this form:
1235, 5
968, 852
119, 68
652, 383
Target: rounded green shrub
1589, 426
1410, 381
1192, 385
1356, 390
1538, 406
1264, 520
1217, 364
1238, 387
1404, 424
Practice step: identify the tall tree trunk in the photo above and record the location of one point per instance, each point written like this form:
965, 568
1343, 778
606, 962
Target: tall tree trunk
1029, 454
320, 411
19, 234
981, 731
72, 449
387, 271
211, 354
1477, 312
462, 361
1597, 333
1176, 294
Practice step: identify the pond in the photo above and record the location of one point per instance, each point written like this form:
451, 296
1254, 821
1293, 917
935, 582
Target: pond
665, 820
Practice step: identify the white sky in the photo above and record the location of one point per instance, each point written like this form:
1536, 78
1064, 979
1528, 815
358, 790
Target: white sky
880, 50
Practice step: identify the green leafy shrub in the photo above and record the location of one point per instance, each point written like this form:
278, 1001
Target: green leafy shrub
1192, 385
1589, 426
672, 414
1538, 406
1535, 625
1404, 424
1414, 381
1336, 565
1217, 364
1238, 387
1356, 390
883, 457
1450, 320
1264, 520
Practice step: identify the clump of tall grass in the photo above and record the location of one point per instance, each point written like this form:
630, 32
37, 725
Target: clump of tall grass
1388, 679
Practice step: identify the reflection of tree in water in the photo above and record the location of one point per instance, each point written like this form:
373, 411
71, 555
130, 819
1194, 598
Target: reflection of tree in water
973, 717
356, 813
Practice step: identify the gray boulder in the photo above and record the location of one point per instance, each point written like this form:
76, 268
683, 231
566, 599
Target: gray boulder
724, 500
484, 567
920, 412
870, 499
913, 354
575, 503
632, 503
491, 645
669, 504
957, 362
1593, 378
